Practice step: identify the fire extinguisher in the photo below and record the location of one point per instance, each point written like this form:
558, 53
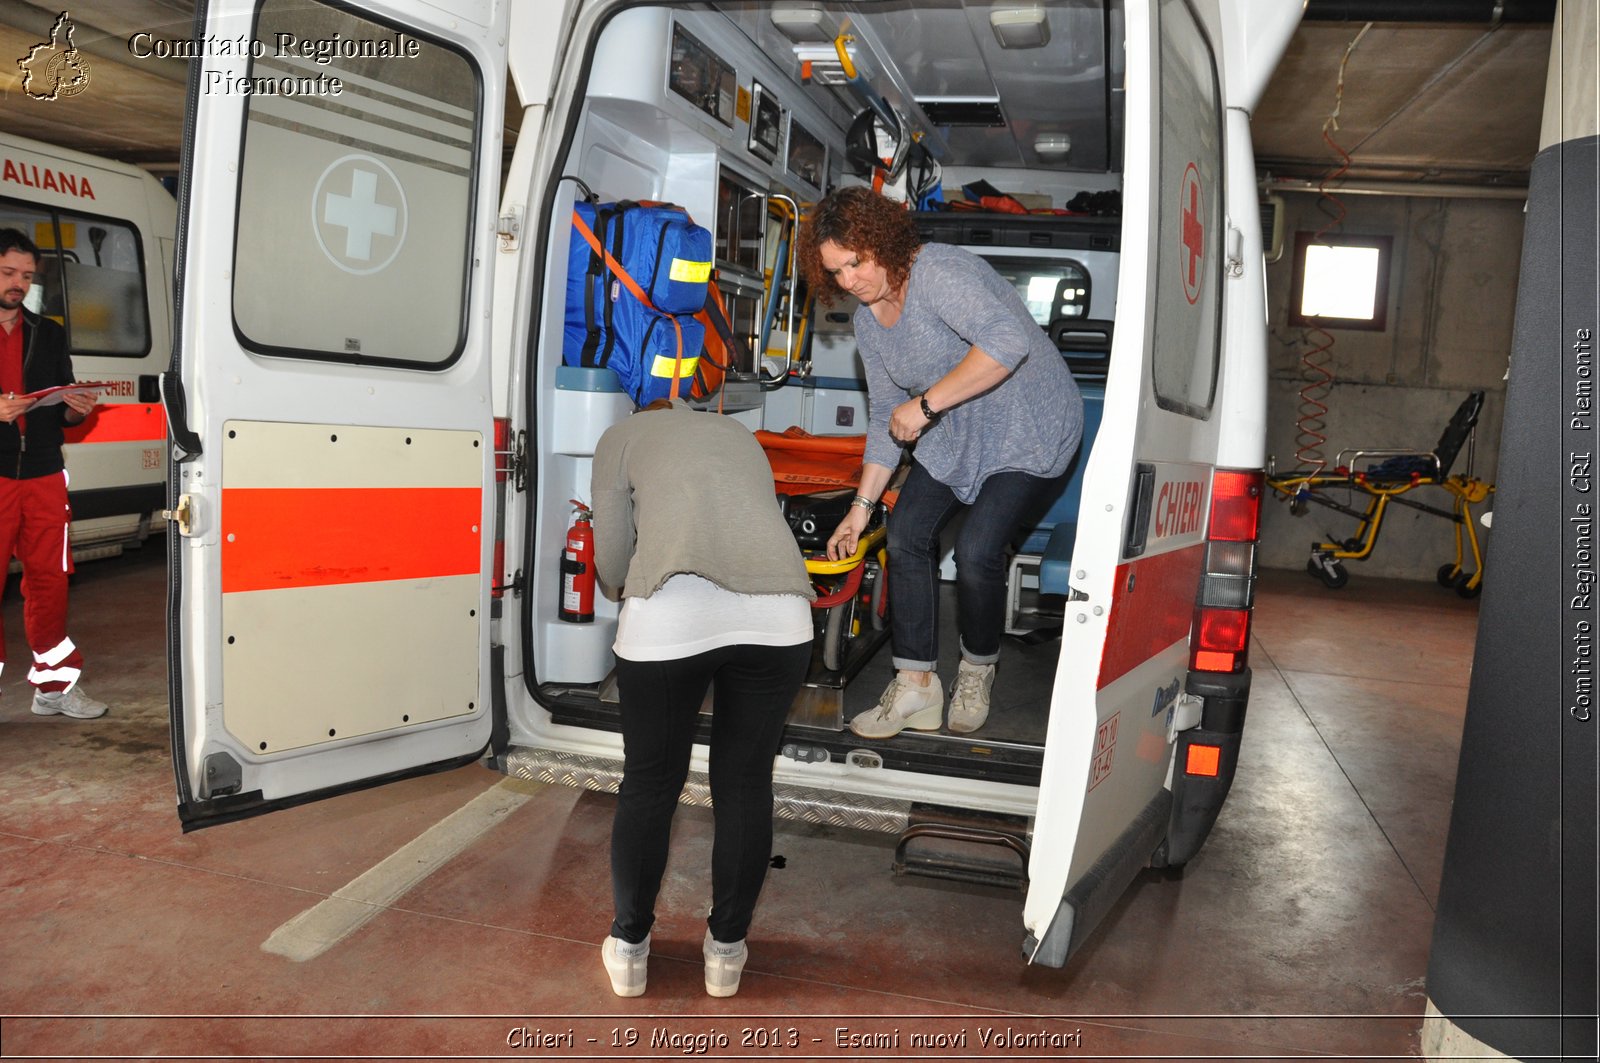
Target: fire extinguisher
577, 569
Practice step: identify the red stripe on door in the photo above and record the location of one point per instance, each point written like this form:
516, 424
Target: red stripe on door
122, 423
274, 538
1152, 608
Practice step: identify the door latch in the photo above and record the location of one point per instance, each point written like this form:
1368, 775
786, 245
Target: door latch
183, 516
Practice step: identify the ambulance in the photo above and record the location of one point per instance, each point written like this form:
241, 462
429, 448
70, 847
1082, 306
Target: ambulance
105, 231
377, 444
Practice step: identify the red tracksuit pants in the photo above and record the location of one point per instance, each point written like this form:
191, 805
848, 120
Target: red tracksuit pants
33, 528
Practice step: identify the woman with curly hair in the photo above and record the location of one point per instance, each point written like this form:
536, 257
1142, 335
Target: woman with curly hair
958, 369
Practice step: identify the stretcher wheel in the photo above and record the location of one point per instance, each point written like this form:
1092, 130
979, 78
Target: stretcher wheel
1330, 572
1466, 588
835, 635
877, 616
1447, 574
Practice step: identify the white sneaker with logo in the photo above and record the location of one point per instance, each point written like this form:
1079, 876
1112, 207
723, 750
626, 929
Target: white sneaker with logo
724, 965
628, 972
969, 701
904, 706
74, 703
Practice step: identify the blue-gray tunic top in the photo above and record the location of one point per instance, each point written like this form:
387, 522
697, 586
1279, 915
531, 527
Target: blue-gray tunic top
1030, 422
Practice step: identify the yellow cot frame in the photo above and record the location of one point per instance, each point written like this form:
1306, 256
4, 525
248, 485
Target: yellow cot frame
1301, 489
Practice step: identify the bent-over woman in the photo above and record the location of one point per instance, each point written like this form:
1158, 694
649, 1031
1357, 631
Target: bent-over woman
687, 530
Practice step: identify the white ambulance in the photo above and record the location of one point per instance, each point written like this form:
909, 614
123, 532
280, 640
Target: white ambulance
105, 231
377, 441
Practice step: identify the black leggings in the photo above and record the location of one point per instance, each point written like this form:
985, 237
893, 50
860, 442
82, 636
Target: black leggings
755, 686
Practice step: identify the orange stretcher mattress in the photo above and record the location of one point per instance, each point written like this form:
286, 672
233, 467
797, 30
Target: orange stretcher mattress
803, 463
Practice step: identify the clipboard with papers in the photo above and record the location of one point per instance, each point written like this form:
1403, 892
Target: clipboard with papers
59, 393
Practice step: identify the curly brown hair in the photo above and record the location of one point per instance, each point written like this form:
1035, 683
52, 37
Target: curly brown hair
860, 220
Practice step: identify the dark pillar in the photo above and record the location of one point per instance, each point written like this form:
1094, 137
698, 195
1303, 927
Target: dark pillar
1514, 942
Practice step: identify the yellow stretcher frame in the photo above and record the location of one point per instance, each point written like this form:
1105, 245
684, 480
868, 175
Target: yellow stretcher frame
1326, 556
844, 623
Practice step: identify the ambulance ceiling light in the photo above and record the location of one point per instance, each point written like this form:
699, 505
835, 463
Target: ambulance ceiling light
805, 23
1020, 25
1052, 145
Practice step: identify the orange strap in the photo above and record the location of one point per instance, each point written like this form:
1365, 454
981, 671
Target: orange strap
632, 286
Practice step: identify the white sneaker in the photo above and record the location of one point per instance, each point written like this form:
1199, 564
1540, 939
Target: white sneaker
969, 701
903, 705
723, 967
627, 973
74, 703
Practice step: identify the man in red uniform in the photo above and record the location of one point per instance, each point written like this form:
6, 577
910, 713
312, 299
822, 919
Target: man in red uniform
33, 481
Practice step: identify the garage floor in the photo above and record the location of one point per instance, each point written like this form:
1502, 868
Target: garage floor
1301, 928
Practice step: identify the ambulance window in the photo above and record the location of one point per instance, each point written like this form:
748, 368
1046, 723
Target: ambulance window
355, 205
1050, 290
741, 223
700, 77
90, 279
1185, 343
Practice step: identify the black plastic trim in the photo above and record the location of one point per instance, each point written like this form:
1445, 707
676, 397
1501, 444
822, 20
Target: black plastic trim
1197, 799
1088, 901
197, 815
142, 499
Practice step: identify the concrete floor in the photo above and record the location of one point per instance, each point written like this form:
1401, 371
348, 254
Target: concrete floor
1301, 928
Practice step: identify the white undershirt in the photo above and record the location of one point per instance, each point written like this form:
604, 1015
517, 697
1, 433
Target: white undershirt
690, 615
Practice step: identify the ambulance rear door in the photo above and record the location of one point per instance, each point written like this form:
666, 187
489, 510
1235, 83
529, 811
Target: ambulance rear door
1139, 550
330, 412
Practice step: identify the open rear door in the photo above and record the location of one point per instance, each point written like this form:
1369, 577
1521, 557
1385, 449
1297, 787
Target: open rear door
1103, 802
333, 466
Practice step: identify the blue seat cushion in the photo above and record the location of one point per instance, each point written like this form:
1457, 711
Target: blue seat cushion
1055, 564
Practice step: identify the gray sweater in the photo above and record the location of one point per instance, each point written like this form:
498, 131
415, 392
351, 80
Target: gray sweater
678, 490
1031, 422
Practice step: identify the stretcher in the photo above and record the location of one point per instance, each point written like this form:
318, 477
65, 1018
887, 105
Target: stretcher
1389, 482
815, 478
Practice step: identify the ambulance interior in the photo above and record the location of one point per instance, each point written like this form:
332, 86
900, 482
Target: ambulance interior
743, 113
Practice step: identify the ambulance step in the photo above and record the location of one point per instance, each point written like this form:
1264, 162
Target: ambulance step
964, 846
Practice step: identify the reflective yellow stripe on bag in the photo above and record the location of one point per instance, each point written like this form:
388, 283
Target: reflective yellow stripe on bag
684, 269
662, 367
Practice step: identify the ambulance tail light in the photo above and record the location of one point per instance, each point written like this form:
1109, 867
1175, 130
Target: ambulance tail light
1220, 640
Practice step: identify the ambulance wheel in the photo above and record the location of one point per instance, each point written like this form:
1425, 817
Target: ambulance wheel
1447, 574
834, 636
1330, 572
1466, 588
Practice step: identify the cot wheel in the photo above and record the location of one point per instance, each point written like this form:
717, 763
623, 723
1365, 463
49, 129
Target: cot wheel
1466, 588
1447, 574
1329, 571
834, 636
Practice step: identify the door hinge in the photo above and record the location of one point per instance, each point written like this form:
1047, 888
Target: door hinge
514, 588
510, 229
519, 462
183, 516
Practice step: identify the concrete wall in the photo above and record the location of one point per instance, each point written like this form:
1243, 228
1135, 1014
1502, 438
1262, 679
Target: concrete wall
1452, 294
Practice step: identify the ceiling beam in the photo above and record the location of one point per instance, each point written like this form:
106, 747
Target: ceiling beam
1492, 11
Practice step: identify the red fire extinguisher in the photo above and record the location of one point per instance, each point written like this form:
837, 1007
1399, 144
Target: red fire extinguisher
577, 569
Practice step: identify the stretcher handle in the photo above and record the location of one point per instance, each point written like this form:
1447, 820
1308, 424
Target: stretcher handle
824, 567
1357, 455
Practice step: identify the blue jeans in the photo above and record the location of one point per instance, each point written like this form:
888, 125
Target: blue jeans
660, 703
925, 506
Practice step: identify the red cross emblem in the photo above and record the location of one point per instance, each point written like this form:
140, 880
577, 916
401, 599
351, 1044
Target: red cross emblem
1193, 236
